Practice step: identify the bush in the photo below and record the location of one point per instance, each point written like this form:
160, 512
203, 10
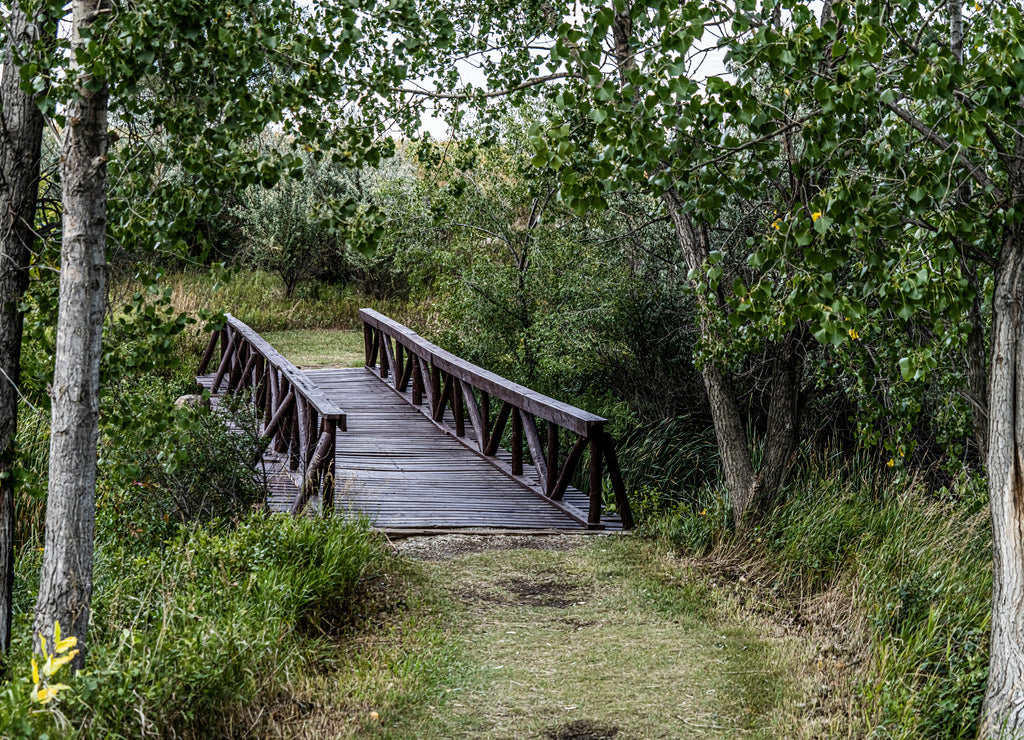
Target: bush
182, 637
179, 465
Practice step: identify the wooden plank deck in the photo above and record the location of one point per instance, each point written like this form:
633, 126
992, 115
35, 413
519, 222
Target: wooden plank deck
399, 469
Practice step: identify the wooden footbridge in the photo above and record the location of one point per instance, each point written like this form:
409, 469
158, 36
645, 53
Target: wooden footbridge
426, 439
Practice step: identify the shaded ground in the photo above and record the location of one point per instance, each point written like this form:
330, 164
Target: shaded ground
586, 638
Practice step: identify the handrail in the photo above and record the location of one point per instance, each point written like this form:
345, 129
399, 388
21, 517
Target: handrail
401, 357
299, 420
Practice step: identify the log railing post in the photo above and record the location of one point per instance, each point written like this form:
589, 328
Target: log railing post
374, 349
485, 416
552, 479
568, 468
618, 486
312, 426
225, 363
294, 437
457, 408
385, 353
407, 369
242, 381
517, 443
327, 486
417, 382
596, 489
435, 388
208, 354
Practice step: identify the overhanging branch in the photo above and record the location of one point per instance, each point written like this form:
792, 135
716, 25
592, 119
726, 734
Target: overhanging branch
434, 95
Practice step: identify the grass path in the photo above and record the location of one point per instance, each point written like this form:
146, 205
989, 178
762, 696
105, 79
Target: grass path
610, 638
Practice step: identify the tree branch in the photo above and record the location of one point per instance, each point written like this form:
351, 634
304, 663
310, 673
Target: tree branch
434, 95
935, 138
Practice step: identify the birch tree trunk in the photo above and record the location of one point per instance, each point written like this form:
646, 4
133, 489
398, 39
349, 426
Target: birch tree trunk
21, 135
65, 587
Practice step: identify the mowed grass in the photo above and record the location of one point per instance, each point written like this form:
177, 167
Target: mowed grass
615, 638
319, 347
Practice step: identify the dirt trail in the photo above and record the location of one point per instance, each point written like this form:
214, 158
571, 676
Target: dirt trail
595, 637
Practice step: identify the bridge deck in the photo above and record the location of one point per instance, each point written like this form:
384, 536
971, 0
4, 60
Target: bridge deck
397, 467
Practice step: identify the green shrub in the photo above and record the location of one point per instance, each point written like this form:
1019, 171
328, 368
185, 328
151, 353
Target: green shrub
182, 636
177, 465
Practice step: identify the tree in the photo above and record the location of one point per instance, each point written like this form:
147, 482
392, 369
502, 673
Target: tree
920, 137
65, 586
190, 86
893, 135
614, 134
21, 135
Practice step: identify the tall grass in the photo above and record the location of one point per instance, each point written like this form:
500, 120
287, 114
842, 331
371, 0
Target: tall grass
901, 573
187, 640
258, 299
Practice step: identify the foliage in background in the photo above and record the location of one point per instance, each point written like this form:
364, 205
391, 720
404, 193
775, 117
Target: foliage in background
323, 224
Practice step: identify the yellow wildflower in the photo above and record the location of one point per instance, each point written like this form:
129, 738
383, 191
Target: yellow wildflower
891, 462
815, 216
66, 644
853, 334
43, 691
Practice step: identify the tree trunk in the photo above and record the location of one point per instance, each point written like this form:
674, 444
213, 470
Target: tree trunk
1003, 712
728, 418
731, 435
65, 587
782, 434
21, 135
747, 490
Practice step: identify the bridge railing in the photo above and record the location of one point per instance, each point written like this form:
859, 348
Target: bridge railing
299, 421
437, 381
